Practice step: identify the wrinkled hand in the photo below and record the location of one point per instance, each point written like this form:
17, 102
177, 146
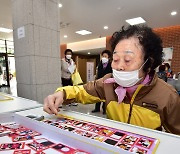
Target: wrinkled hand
52, 102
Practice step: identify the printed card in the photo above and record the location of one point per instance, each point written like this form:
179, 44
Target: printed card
99, 138
63, 148
13, 126
106, 132
138, 150
117, 135
87, 126
88, 134
11, 146
23, 132
17, 138
56, 124
2, 129
44, 142
79, 131
40, 144
36, 146
144, 142
110, 141
80, 124
69, 128
80, 152
124, 146
28, 151
70, 122
129, 140
5, 133
95, 129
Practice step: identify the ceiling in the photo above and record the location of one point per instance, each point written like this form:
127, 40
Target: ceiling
93, 15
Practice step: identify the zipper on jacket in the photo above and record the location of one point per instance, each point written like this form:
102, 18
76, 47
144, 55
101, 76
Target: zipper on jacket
130, 113
132, 102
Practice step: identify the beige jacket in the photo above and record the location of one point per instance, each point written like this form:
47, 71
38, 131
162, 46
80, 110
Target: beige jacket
65, 73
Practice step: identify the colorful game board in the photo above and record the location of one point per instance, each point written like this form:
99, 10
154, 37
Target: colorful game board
118, 138
17, 139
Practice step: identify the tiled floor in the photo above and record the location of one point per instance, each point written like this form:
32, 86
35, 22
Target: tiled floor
80, 108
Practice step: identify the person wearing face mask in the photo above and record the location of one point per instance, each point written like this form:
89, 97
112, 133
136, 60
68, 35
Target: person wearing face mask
67, 68
161, 73
103, 68
168, 70
133, 93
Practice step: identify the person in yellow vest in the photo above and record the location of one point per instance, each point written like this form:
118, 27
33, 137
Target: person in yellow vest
133, 93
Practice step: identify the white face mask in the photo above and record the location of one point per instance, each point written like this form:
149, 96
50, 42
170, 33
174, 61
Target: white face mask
127, 79
68, 56
104, 60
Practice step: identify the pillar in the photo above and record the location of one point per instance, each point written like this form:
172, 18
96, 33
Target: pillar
37, 51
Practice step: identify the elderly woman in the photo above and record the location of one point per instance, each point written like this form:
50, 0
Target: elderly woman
133, 93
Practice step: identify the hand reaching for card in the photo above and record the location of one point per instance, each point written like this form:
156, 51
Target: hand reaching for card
52, 102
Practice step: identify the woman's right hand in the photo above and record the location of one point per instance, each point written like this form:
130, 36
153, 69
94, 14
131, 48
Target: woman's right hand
52, 102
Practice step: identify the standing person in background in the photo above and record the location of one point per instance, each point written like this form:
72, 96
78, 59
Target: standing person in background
104, 68
67, 68
162, 73
168, 70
